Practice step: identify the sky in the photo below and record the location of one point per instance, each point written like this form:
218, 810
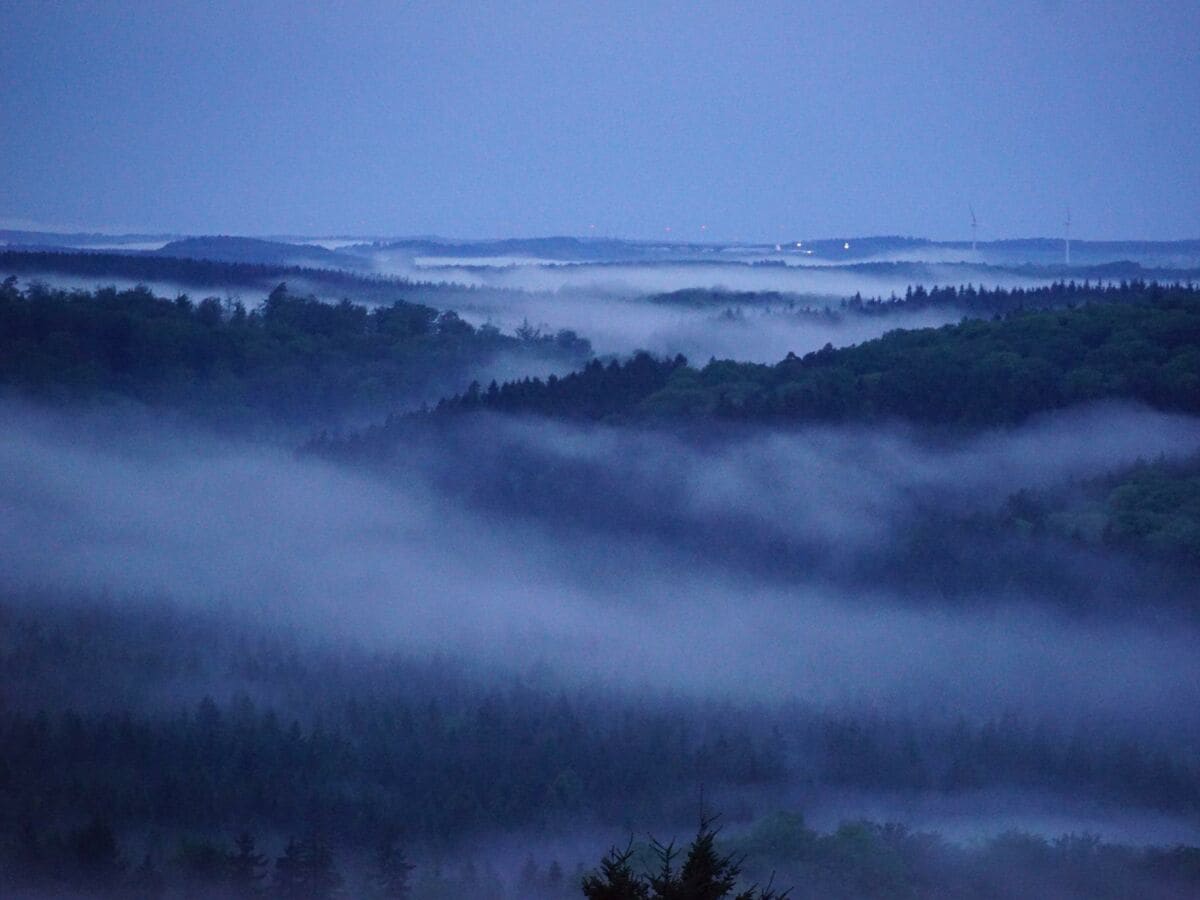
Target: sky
688, 121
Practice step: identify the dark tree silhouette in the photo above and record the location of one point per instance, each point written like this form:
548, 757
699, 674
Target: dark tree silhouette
616, 879
97, 859
1136, 340
306, 870
392, 870
704, 875
247, 867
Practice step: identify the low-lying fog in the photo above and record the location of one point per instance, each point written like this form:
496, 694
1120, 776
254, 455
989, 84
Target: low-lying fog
137, 509
614, 325
623, 325
616, 318
607, 303
634, 279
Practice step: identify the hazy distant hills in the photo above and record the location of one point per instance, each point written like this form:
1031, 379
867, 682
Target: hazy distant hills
72, 267
554, 248
219, 248
79, 239
1172, 255
255, 250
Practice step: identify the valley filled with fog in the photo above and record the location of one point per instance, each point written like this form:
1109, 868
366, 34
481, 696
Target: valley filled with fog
629, 561
624, 451
246, 523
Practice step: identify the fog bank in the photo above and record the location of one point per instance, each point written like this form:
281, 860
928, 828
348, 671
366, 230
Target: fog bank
405, 565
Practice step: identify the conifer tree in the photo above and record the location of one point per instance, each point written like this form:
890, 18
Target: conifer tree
247, 867
306, 870
392, 870
704, 875
616, 879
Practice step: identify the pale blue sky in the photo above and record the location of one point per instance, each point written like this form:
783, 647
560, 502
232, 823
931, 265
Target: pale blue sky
760, 120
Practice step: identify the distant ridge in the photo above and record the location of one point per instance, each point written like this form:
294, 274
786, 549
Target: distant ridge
1177, 255
557, 247
224, 248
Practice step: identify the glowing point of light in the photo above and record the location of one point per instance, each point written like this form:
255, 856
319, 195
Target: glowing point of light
846, 246
799, 243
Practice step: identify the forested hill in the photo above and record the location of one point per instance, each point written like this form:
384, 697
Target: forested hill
968, 299
980, 301
1151, 509
254, 250
295, 360
337, 742
225, 273
1135, 341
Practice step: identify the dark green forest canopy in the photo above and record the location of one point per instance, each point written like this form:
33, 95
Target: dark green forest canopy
865, 859
970, 299
1133, 341
978, 301
104, 716
200, 273
296, 359
1151, 509
107, 736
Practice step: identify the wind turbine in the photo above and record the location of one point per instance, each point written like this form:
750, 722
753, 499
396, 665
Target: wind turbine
974, 225
1067, 226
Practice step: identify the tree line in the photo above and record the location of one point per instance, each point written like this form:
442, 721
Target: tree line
356, 745
1151, 509
200, 273
974, 374
294, 359
856, 860
979, 300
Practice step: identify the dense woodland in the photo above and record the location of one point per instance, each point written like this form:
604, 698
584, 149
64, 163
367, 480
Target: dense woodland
295, 359
969, 300
146, 751
980, 301
1152, 509
111, 777
1133, 341
866, 859
208, 272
